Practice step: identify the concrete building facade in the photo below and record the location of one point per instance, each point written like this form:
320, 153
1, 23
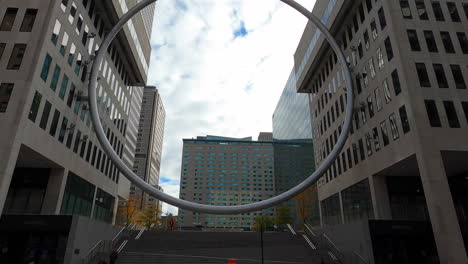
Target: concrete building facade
150, 136
225, 171
403, 161
51, 162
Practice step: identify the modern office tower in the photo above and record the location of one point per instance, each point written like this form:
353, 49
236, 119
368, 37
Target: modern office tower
225, 171
404, 161
51, 162
149, 141
293, 149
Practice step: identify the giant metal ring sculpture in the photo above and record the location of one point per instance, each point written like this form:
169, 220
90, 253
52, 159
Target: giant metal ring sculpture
257, 206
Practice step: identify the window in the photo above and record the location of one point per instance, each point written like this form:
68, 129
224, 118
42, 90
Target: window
463, 42
465, 109
64, 44
63, 5
355, 24
368, 144
76, 145
70, 135
383, 129
370, 106
78, 65
56, 32
2, 49
374, 30
365, 76
63, 129
439, 15
440, 75
46, 67
404, 119
84, 38
8, 19
5, 92
382, 20
55, 77
16, 57
452, 8
366, 39
386, 90
63, 87
430, 41
388, 48
361, 13
35, 106
360, 50
378, 99
71, 55
375, 134
394, 127
45, 115
465, 7
451, 114
79, 24
28, 20
380, 59
422, 12
71, 15
432, 113
372, 67
396, 82
422, 75
458, 76
71, 95
405, 9
447, 41
413, 40
55, 120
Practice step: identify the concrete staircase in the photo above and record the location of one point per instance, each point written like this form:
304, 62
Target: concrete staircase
218, 247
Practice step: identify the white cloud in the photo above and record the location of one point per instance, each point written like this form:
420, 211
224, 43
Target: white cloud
212, 82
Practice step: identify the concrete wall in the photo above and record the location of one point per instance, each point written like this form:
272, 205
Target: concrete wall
84, 234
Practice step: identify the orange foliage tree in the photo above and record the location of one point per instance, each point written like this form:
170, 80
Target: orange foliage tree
306, 203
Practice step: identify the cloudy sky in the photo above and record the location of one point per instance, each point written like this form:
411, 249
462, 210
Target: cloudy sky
220, 66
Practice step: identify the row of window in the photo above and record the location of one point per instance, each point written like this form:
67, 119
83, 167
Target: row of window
437, 10
373, 140
79, 144
27, 22
450, 111
16, 56
439, 73
226, 189
431, 42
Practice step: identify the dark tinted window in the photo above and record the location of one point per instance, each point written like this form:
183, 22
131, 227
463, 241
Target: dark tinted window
5, 92
422, 75
45, 115
389, 49
28, 20
396, 82
458, 76
451, 114
405, 9
16, 57
63, 129
463, 42
384, 130
8, 19
35, 106
447, 41
439, 15
465, 110
55, 120
413, 40
432, 113
430, 41
440, 75
382, 19
404, 119
453, 11
422, 12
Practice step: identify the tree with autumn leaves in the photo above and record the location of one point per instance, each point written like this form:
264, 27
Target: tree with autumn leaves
150, 217
128, 211
306, 204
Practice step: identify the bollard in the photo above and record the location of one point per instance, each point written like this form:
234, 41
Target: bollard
232, 261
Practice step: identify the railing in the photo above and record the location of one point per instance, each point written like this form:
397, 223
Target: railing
291, 229
336, 254
103, 247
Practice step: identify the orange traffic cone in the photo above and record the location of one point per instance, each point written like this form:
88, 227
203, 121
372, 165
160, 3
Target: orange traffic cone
232, 261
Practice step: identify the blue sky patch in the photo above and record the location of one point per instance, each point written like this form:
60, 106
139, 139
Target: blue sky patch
241, 31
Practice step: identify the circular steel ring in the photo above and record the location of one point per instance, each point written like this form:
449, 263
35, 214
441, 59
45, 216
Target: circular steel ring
237, 209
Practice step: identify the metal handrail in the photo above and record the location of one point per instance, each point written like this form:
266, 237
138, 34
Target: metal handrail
359, 257
118, 234
331, 242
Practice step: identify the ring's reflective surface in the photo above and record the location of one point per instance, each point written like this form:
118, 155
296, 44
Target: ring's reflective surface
130, 175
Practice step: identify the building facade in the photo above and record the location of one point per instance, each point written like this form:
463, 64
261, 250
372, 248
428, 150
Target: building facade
225, 171
150, 136
403, 158
51, 160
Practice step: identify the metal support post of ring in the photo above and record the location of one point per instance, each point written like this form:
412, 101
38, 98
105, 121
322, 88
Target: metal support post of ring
203, 208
